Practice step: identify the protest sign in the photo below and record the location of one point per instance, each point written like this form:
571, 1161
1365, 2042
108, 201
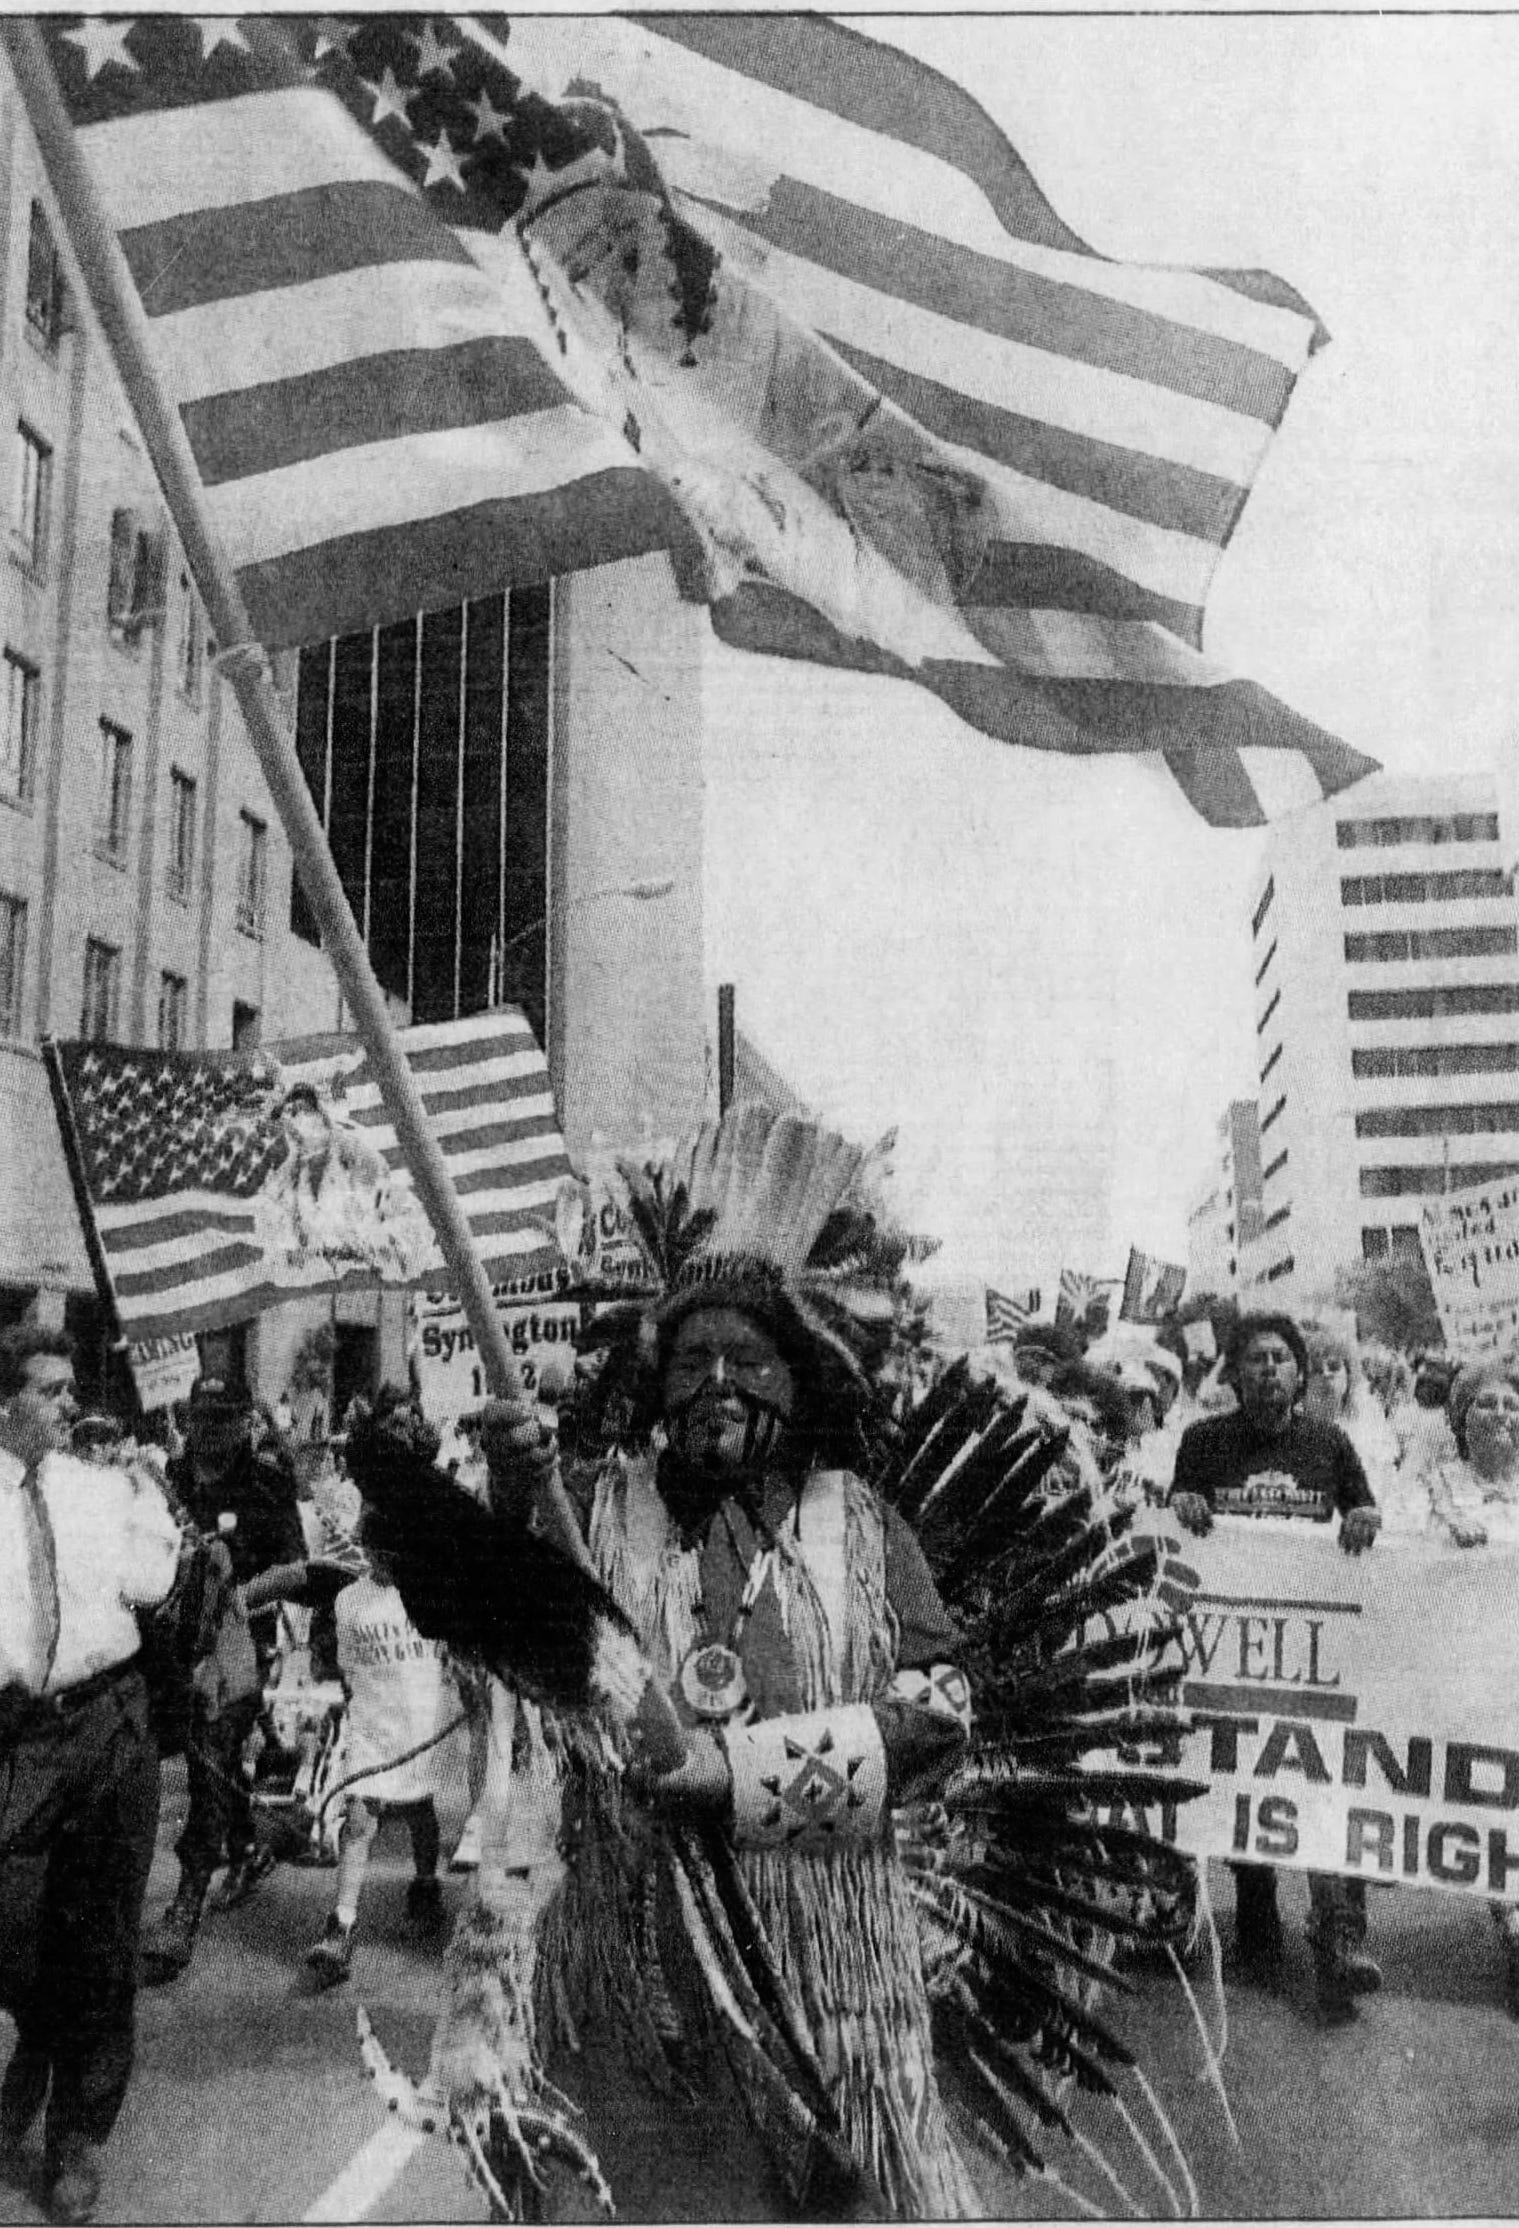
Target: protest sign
1470, 1239
1356, 1715
163, 1369
452, 1379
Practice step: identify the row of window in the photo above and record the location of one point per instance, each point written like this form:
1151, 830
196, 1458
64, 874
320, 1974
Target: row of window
1264, 907
1411, 1183
1437, 1121
1272, 1166
1401, 1243
1433, 943
1268, 1119
113, 813
100, 1009
1276, 999
1274, 1222
1423, 827
1279, 1269
1421, 889
99, 1018
1271, 1063
1434, 1002
1265, 963
1435, 1059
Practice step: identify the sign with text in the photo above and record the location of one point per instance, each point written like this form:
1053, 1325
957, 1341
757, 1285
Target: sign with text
1357, 1714
452, 1380
1471, 1249
163, 1369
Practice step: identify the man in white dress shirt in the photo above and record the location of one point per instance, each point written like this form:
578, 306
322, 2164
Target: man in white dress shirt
81, 1547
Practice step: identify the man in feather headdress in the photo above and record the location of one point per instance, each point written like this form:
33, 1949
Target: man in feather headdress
787, 1866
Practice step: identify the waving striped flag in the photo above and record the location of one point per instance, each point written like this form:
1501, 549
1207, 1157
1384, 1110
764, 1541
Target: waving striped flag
922, 426
378, 425
449, 306
1007, 1312
221, 1182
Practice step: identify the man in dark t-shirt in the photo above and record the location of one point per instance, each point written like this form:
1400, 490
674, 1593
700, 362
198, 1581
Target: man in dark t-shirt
1269, 1459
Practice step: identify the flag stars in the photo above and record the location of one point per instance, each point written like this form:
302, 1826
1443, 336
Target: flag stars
432, 55
443, 165
219, 30
390, 99
103, 45
490, 122
332, 37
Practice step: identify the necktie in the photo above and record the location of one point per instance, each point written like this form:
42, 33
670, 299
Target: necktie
41, 1582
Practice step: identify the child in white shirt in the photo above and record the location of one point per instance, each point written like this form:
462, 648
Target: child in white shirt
401, 1700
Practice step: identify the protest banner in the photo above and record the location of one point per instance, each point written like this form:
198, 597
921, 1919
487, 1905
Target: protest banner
1470, 1239
1356, 1715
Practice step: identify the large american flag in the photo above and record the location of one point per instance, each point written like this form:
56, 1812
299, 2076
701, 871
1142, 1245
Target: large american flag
1152, 1288
180, 1151
448, 305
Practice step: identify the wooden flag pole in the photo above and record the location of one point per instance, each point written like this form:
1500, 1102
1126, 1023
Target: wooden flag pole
113, 297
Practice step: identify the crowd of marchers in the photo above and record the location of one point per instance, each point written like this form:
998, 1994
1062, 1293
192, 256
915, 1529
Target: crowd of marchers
168, 1599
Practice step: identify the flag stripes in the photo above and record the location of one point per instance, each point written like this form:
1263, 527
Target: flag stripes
1007, 1312
302, 294
178, 1147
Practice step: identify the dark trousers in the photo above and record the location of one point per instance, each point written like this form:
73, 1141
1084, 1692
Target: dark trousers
219, 1821
78, 1817
1336, 1905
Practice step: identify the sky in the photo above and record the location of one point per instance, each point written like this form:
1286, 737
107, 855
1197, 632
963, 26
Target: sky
1038, 970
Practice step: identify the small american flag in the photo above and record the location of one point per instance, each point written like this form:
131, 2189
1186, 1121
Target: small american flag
221, 1182
1007, 1312
1152, 1289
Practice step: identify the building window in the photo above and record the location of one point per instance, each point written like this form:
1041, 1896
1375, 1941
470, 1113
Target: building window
1279, 1269
1436, 1059
1405, 1242
1265, 963
44, 281
192, 643
1264, 906
252, 874
1443, 1002
245, 1026
1437, 1121
102, 989
18, 748
1280, 1107
1431, 1177
1274, 1222
181, 865
1458, 827
1276, 999
1373, 1244
113, 819
1433, 943
173, 1012
1420, 889
12, 963
34, 473
1271, 1063
1273, 1167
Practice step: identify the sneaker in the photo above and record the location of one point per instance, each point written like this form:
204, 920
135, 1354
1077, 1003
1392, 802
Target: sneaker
466, 1858
73, 2174
331, 1958
168, 1944
424, 1909
243, 1877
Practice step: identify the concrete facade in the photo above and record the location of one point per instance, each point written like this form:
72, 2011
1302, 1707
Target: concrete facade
1386, 941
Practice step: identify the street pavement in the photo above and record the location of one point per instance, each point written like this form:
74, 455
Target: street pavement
249, 2103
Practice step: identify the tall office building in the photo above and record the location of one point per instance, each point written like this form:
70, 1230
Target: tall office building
1225, 1219
1386, 941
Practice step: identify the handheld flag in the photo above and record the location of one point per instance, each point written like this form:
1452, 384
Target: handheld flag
1151, 1289
220, 1182
440, 319
1007, 1312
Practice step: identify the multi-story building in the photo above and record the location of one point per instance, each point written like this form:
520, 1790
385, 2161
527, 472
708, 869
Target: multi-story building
1386, 940
513, 795
1227, 1215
